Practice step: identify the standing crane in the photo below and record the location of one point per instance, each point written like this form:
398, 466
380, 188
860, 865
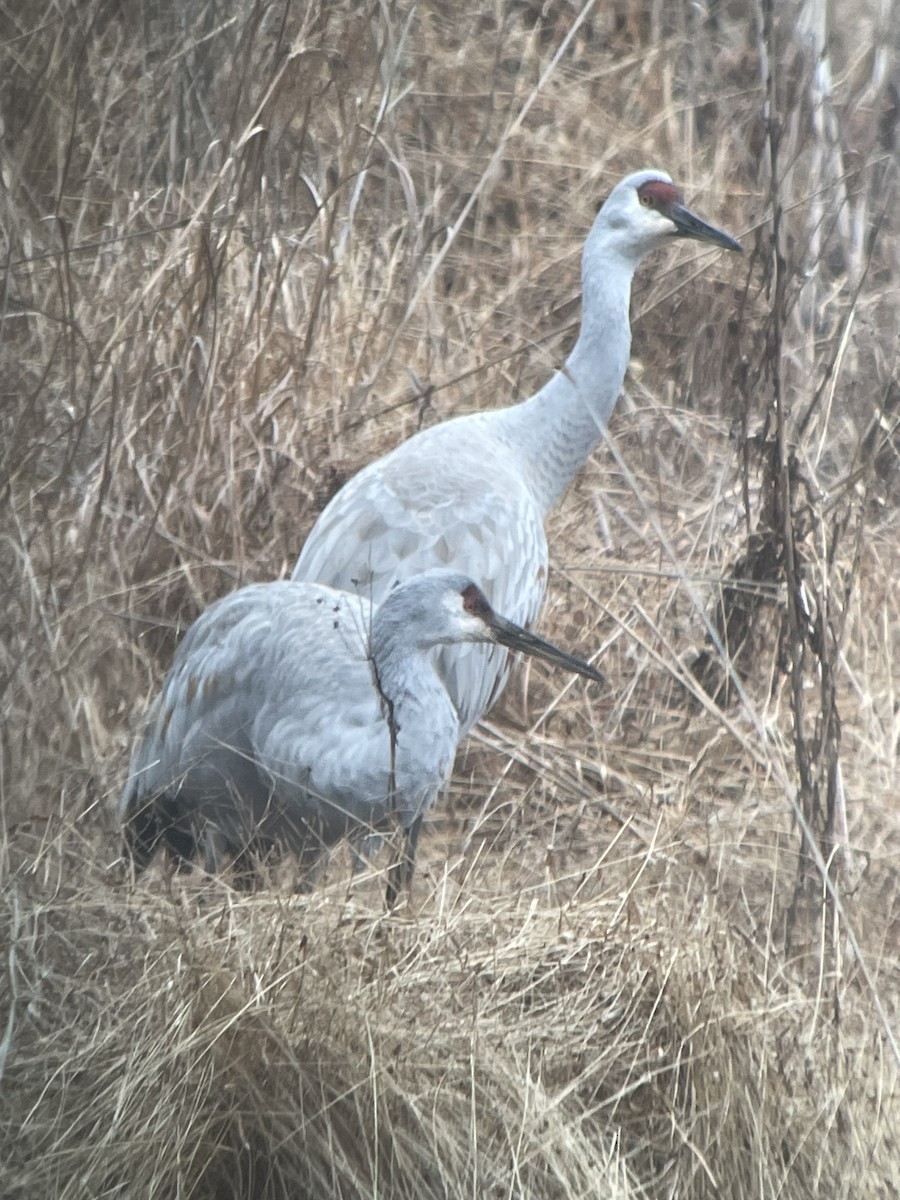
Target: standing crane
295, 714
473, 492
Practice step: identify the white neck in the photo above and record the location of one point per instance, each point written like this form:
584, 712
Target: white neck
557, 428
424, 720
405, 674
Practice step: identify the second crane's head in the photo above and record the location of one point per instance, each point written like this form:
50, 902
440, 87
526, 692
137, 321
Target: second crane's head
441, 607
644, 211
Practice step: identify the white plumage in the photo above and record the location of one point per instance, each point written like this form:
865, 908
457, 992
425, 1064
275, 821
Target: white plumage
473, 493
273, 727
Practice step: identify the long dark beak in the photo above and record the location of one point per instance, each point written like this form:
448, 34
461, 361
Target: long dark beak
508, 634
689, 226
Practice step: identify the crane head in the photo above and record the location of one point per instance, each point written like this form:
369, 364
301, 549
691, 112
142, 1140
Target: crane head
646, 209
446, 607
489, 626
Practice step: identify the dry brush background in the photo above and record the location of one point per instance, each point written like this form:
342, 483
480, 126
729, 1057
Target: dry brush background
653, 945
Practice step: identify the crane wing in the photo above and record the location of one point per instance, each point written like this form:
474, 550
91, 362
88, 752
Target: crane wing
270, 685
430, 503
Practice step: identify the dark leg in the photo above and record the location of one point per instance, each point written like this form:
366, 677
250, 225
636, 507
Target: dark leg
177, 832
158, 821
141, 834
245, 872
400, 873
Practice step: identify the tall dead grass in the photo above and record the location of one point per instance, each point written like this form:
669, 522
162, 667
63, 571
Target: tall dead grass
653, 948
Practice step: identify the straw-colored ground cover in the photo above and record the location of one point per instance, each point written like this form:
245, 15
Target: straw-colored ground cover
248, 247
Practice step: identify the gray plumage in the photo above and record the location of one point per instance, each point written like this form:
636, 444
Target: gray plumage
473, 492
295, 714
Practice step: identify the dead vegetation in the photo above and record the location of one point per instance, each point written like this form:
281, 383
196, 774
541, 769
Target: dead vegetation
653, 947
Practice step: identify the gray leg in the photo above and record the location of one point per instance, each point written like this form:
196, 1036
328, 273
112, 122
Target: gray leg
214, 849
400, 873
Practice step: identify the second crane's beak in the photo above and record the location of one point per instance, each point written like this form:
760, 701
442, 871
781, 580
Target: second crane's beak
689, 226
508, 634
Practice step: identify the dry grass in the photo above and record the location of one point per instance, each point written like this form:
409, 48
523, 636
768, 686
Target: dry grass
249, 247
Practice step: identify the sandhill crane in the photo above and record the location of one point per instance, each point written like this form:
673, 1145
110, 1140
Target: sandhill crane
294, 714
473, 493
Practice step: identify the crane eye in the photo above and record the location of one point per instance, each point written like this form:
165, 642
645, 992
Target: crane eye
645, 200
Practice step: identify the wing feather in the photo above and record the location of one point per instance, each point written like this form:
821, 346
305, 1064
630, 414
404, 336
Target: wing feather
429, 503
268, 711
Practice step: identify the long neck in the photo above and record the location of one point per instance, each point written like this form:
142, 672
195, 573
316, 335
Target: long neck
421, 716
556, 430
401, 677
411, 691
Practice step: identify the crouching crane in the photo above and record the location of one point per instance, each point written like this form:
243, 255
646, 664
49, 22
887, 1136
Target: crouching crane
295, 715
473, 493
